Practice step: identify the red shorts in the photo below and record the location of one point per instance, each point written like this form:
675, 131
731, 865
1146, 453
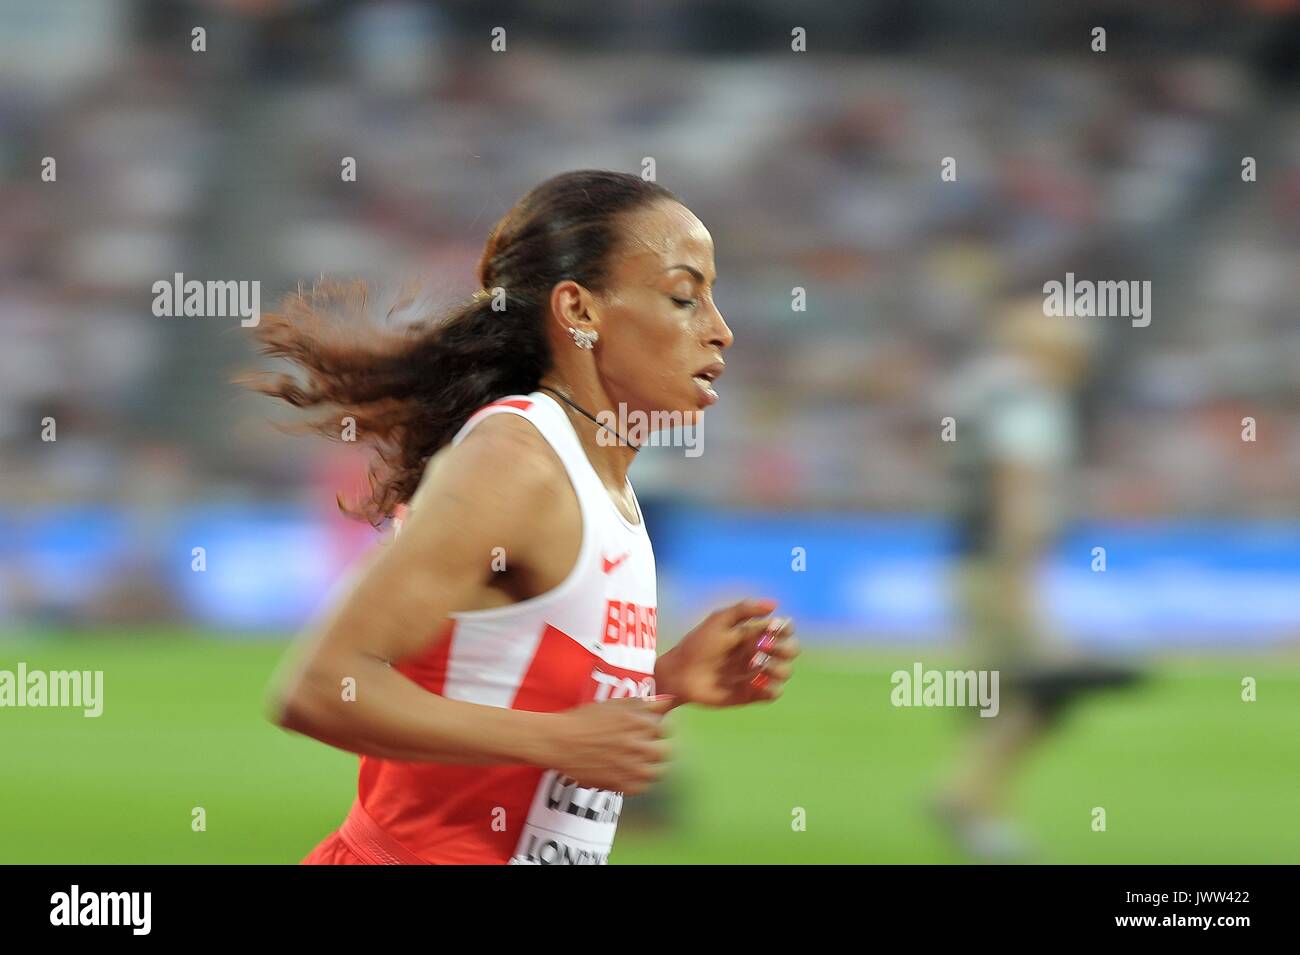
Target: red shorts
332, 851
359, 841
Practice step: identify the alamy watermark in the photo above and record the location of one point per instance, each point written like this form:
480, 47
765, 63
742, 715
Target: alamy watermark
130, 909
1088, 299
922, 687
67, 689
176, 297
653, 429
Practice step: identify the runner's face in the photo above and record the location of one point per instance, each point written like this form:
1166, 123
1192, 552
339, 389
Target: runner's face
661, 334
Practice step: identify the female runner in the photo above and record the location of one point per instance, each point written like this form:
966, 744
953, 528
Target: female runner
495, 663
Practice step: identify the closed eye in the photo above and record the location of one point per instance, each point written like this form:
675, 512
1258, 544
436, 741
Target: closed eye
684, 302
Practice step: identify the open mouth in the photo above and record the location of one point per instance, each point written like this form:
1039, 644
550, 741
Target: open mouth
704, 379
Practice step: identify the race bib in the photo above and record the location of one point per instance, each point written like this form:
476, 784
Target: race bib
568, 824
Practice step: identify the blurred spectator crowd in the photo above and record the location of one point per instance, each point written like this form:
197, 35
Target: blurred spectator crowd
816, 170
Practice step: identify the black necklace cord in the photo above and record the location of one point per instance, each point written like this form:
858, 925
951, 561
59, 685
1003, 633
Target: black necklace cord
586, 414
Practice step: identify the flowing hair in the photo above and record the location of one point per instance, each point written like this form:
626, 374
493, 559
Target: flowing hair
410, 389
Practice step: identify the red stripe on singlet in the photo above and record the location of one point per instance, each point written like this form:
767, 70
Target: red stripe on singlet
523, 404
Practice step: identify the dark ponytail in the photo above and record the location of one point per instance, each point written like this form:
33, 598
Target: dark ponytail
410, 390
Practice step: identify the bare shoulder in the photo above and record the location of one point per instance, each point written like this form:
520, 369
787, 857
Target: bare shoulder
501, 449
502, 472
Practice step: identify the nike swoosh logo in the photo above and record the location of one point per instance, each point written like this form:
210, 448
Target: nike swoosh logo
611, 564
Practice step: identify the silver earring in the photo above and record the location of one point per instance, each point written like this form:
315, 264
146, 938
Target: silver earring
583, 338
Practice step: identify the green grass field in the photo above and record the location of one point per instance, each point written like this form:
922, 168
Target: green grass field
1186, 771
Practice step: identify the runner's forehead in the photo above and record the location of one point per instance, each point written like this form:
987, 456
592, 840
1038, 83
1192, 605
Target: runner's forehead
663, 236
